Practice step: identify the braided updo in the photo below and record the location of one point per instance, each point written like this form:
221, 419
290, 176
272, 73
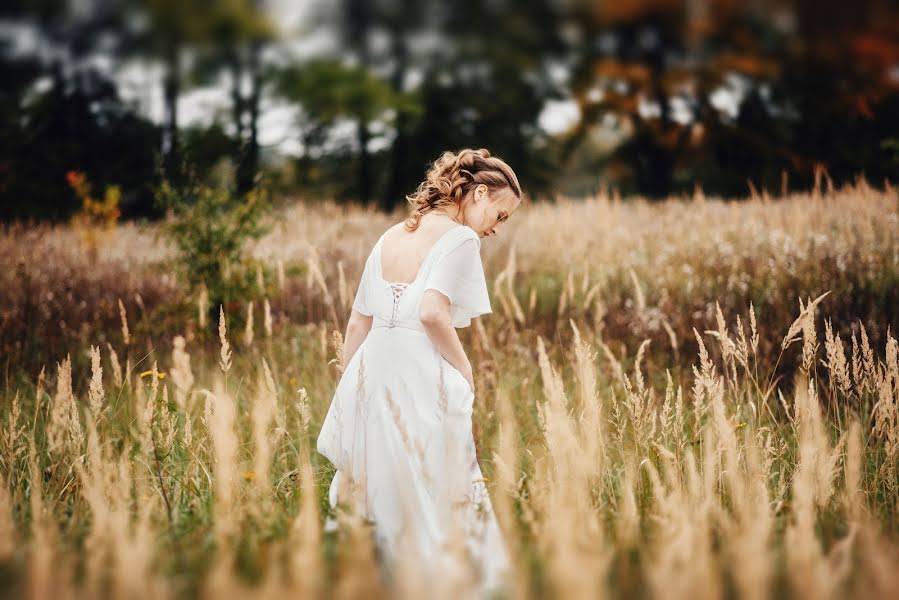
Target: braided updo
452, 176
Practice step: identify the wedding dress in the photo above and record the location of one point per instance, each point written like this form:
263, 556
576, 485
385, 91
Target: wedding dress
399, 423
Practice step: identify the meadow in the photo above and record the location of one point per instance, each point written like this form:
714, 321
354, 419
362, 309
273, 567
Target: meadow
693, 398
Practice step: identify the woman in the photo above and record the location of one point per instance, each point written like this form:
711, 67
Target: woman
399, 426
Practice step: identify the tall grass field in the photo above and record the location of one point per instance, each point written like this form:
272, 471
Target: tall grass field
693, 398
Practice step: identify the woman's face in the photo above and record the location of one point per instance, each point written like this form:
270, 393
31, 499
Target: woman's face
486, 214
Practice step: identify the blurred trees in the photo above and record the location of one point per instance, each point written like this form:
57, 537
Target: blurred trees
165, 31
842, 86
217, 36
329, 91
60, 112
667, 94
239, 32
798, 84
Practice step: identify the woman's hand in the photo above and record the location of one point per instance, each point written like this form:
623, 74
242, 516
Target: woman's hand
435, 318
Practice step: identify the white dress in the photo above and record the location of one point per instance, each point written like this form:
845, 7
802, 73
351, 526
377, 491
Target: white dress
399, 423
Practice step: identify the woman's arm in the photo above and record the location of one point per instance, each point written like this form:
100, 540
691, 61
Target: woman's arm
436, 320
357, 329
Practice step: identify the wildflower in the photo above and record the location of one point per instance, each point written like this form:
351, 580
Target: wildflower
740, 426
249, 475
149, 373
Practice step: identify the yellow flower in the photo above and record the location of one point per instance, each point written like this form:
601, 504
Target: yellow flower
249, 475
740, 426
149, 373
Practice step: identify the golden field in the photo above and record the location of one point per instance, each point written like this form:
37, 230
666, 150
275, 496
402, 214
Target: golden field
687, 399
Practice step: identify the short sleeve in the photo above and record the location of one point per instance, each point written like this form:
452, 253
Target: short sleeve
459, 275
360, 302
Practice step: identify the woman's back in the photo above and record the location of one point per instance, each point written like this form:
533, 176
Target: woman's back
400, 269
404, 252
399, 425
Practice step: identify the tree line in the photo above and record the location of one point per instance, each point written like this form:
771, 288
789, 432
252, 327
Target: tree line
668, 95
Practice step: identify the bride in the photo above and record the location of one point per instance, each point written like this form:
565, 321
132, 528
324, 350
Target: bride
398, 429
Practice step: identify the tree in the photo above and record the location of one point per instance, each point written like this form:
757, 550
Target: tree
169, 30
804, 79
637, 61
329, 91
238, 32
77, 123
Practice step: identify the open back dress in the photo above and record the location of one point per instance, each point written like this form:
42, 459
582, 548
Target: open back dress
399, 423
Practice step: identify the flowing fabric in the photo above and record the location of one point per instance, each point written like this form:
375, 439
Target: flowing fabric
399, 423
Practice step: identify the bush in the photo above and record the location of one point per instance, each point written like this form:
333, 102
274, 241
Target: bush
210, 227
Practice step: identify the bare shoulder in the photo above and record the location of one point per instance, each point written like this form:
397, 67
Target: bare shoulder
391, 231
429, 228
394, 227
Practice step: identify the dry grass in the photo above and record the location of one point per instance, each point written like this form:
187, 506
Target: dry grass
691, 399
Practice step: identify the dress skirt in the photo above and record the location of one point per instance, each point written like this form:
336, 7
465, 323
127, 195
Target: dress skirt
399, 428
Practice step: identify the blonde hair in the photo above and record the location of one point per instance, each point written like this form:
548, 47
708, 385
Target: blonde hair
452, 176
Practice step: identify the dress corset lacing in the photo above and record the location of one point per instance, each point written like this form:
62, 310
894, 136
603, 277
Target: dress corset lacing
394, 321
398, 289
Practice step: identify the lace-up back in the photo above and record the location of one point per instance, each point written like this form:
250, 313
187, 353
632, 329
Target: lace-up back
452, 266
398, 289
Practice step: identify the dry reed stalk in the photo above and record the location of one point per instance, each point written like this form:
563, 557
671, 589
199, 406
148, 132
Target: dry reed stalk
510, 272
876, 575
749, 530
811, 573
248, 330
14, 431
306, 566
46, 572
95, 393
181, 374
146, 410
681, 562
225, 360
221, 580
8, 533
260, 278
116, 367
508, 484
316, 275
123, 316
263, 414
98, 554
573, 544
282, 280
591, 408
343, 295
267, 318
202, 307
853, 497
836, 362
64, 433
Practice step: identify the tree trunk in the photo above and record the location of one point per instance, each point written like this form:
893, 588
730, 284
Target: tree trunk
237, 105
364, 163
393, 195
249, 165
171, 92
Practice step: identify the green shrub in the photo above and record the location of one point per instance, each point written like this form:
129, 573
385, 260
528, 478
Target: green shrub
210, 227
